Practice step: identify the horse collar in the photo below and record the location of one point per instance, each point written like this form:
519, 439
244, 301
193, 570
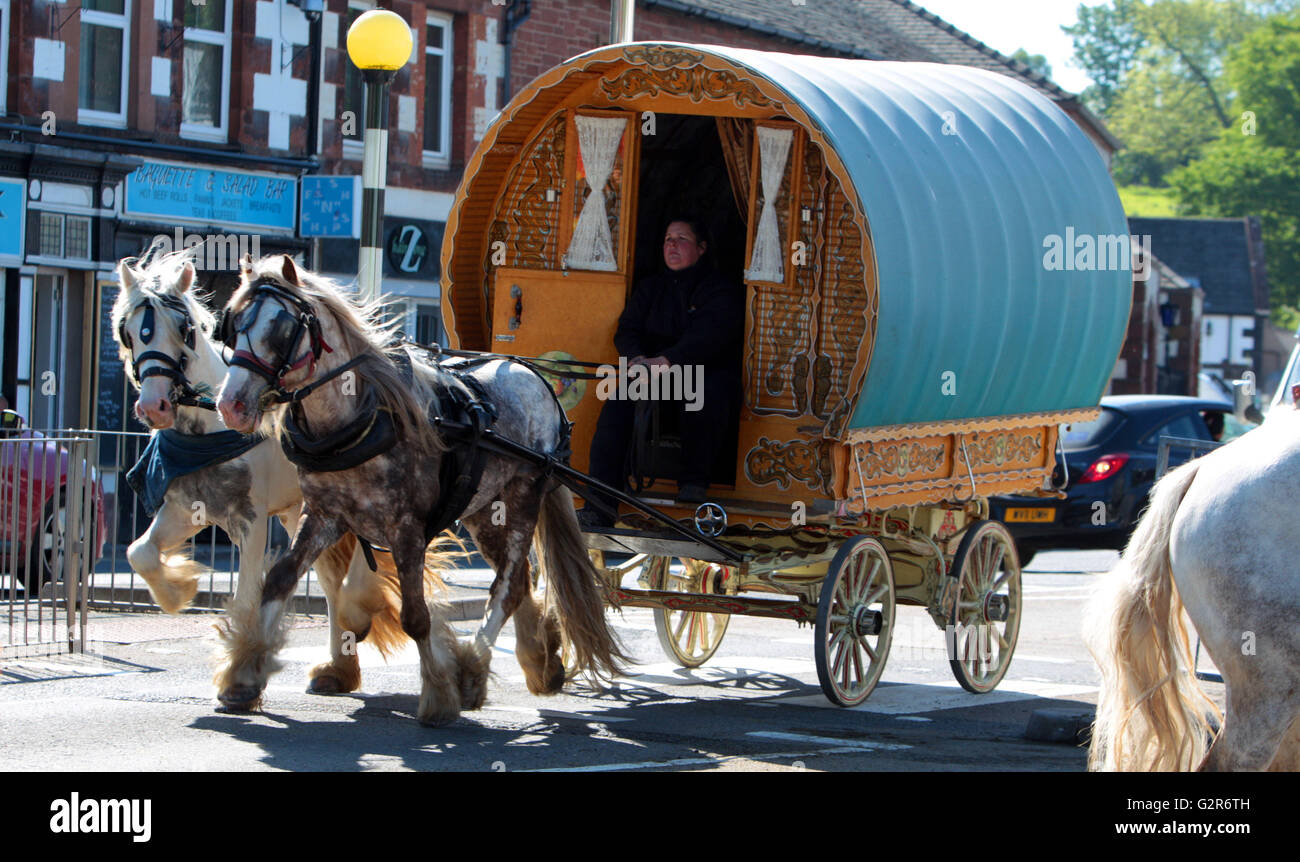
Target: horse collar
370, 434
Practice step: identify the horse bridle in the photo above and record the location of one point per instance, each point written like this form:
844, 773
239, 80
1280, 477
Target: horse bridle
171, 366
295, 319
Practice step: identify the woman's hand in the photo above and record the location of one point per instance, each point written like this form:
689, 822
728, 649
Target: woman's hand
652, 362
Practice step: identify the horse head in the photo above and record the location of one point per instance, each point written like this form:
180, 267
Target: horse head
291, 331
162, 330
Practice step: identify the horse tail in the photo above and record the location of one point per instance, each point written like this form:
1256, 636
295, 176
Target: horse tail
1151, 714
375, 605
574, 588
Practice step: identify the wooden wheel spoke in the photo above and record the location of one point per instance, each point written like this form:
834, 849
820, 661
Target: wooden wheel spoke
876, 596
857, 662
681, 624
864, 584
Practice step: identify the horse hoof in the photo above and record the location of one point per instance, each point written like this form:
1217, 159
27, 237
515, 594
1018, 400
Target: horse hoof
325, 685
242, 698
556, 682
473, 692
439, 719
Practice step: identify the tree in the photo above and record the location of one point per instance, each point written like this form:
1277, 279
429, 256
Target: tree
1037, 63
1106, 44
1253, 167
1158, 67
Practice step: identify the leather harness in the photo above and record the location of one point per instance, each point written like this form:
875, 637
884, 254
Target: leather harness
461, 412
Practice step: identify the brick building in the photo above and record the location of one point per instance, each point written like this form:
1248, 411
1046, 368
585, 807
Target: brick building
127, 120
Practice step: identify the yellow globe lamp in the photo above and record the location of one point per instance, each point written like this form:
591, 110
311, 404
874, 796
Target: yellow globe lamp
379, 39
379, 43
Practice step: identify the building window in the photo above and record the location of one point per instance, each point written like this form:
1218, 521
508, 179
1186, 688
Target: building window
51, 235
105, 33
4, 54
437, 88
354, 87
77, 244
428, 324
205, 100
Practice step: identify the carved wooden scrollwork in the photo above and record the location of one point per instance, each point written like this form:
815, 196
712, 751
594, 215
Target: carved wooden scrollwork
663, 57
898, 460
1002, 448
785, 463
696, 83
527, 222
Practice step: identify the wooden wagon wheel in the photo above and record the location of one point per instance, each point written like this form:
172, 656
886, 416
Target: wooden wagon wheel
985, 619
855, 621
690, 638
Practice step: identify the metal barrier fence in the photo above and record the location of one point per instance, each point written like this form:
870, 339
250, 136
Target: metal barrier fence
67, 517
1196, 448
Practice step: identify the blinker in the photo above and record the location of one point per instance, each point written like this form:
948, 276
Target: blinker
146, 325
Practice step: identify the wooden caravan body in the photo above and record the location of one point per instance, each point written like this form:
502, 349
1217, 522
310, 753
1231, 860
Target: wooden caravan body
919, 341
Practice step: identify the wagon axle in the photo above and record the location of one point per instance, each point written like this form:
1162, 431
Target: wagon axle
867, 622
997, 608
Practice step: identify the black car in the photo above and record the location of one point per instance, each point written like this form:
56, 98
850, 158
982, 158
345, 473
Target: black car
1110, 466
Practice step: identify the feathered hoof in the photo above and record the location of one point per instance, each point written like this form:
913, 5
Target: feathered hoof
330, 678
240, 699
475, 667
174, 596
438, 707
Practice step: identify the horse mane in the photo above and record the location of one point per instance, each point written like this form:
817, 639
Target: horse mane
364, 331
156, 276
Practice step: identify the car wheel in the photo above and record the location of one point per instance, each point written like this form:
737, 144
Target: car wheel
43, 557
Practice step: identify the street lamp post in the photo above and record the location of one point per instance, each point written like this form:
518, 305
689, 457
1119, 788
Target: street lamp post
379, 43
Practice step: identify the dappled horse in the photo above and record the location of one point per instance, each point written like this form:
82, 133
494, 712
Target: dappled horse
1220, 540
355, 406
195, 473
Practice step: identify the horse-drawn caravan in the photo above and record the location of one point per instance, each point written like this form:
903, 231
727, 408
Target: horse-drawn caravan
924, 302
928, 296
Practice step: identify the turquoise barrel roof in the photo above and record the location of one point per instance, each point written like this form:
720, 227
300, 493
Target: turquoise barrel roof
963, 175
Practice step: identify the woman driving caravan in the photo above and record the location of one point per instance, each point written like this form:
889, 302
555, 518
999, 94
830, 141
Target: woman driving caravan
691, 318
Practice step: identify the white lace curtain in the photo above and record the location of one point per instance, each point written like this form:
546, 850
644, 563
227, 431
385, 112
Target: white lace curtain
773, 151
591, 246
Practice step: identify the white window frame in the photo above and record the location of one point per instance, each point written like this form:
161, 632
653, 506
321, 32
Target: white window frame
199, 131
354, 148
122, 22
6, 11
440, 158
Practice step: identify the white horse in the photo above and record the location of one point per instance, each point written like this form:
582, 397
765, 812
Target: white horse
164, 336
1220, 539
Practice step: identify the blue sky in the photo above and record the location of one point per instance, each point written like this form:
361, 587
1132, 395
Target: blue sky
1034, 25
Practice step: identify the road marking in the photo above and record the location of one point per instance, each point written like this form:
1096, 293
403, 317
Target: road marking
906, 698
856, 744
1049, 660
695, 761
598, 718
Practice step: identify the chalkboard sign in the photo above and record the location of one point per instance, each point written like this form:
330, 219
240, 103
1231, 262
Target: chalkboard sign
113, 395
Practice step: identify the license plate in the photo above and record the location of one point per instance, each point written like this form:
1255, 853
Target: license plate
1038, 515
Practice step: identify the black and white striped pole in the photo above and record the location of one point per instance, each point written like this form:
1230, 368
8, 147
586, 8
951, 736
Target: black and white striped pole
379, 43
